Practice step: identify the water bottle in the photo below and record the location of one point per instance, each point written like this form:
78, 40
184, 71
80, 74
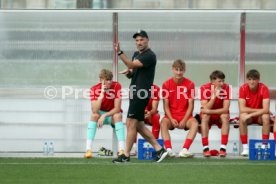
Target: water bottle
51, 150
266, 152
235, 149
45, 149
259, 153
147, 154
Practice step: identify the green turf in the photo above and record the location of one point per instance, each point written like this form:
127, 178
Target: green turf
96, 170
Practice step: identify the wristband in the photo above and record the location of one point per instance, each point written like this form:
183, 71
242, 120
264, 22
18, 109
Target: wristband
120, 52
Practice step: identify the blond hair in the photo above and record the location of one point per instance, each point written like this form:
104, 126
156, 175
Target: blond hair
106, 74
178, 63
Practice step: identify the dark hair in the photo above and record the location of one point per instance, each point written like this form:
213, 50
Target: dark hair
253, 74
178, 63
217, 74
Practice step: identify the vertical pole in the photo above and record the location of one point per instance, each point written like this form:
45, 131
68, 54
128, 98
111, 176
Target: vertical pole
242, 56
242, 48
115, 73
115, 40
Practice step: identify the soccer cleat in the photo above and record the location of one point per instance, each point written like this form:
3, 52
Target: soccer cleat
245, 153
170, 152
160, 155
121, 159
88, 154
105, 152
121, 152
222, 153
206, 153
214, 152
184, 153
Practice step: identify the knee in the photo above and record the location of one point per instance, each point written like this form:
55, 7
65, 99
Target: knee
95, 116
130, 124
242, 119
205, 117
164, 124
117, 117
265, 119
224, 118
194, 125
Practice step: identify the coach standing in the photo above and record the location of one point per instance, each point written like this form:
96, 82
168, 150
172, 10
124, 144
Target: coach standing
141, 70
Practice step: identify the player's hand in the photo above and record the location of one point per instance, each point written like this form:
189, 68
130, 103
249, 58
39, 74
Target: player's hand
101, 121
174, 123
217, 91
205, 110
147, 114
103, 88
117, 47
181, 125
246, 117
125, 72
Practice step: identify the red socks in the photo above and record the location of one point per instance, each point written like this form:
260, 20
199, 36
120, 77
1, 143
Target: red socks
205, 141
155, 125
243, 139
187, 143
224, 139
265, 137
168, 144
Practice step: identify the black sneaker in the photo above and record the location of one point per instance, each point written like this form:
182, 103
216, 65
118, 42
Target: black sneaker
121, 159
105, 152
161, 154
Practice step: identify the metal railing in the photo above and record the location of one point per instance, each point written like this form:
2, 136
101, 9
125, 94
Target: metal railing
138, 4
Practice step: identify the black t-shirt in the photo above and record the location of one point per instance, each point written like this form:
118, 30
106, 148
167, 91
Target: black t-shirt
143, 77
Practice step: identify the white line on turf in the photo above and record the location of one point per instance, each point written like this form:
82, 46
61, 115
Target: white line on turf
143, 163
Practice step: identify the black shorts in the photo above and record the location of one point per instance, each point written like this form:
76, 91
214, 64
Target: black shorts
136, 109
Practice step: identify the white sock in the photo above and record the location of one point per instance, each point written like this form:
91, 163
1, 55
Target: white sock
89, 144
185, 149
205, 147
223, 146
245, 146
121, 145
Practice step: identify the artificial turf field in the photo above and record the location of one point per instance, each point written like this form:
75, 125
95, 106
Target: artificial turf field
170, 171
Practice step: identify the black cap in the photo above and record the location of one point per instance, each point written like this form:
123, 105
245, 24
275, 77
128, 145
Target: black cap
140, 33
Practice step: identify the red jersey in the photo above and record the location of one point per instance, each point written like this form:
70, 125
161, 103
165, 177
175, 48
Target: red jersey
178, 95
154, 96
254, 99
114, 92
205, 94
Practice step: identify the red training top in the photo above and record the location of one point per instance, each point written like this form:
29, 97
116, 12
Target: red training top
254, 99
114, 92
178, 95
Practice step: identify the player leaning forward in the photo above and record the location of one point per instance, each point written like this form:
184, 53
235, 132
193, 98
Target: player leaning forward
215, 103
106, 109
